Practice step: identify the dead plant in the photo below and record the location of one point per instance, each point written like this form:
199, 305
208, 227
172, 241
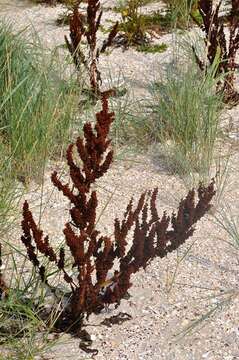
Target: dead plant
218, 48
82, 27
94, 255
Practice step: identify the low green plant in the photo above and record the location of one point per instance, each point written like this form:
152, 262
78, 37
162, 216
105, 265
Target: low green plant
132, 25
138, 28
153, 49
36, 103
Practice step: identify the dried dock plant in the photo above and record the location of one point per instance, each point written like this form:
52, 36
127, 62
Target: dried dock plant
86, 28
94, 255
218, 47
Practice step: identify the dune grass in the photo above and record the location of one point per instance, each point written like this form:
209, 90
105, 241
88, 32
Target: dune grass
36, 104
37, 112
185, 117
179, 11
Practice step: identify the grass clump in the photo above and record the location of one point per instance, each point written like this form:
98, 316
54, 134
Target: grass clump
36, 103
186, 118
9, 197
178, 11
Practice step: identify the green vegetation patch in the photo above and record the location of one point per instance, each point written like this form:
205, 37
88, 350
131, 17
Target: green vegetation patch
36, 102
153, 49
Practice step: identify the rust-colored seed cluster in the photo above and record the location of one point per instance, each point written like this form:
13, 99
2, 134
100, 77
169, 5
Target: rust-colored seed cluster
217, 44
94, 254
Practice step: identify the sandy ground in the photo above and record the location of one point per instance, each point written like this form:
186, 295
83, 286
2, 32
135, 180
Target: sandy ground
173, 293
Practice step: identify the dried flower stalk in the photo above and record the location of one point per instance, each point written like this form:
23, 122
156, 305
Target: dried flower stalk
94, 254
218, 46
87, 28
